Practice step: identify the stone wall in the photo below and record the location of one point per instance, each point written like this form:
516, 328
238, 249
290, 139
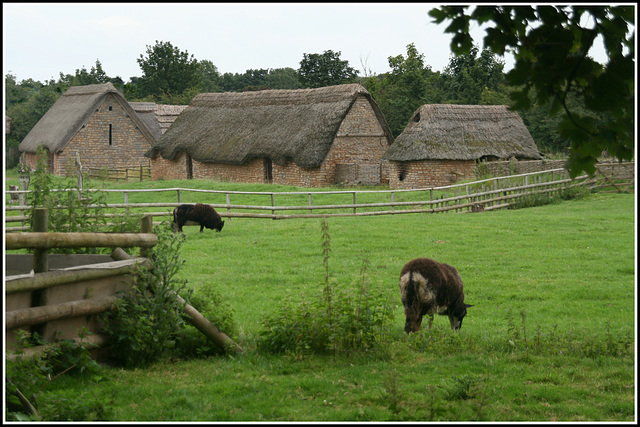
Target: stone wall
439, 173
169, 169
429, 173
110, 139
514, 167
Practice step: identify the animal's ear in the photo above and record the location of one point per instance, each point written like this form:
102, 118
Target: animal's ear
468, 305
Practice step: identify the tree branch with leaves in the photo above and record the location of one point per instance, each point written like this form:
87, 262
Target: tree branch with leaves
551, 46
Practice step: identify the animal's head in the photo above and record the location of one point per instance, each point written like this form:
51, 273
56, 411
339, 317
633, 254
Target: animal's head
215, 225
457, 315
412, 306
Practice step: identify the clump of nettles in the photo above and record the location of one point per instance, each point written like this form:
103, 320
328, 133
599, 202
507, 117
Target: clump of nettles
340, 318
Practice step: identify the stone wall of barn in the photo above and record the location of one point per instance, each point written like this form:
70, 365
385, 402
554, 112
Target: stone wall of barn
437, 173
360, 144
169, 169
429, 173
251, 172
513, 167
110, 139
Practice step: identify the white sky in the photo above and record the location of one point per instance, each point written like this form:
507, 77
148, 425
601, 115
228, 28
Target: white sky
40, 40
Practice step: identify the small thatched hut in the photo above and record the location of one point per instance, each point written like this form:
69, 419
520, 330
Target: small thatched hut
306, 137
442, 143
96, 122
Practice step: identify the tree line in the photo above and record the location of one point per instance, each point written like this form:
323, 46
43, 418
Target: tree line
560, 115
171, 76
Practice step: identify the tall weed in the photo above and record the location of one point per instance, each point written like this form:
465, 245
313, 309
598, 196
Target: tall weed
341, 319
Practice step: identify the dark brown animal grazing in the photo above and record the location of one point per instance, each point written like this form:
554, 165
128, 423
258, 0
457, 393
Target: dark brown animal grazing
430, 287
204, 215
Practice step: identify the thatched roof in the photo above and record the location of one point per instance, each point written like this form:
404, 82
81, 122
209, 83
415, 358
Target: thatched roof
283, 125
70, 113
463, 132
157, 117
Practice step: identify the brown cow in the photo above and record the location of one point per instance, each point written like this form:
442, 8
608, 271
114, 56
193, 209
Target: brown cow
430, 287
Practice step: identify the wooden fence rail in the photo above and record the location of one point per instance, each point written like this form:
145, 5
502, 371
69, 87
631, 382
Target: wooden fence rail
134, 173
487, 194
64, 301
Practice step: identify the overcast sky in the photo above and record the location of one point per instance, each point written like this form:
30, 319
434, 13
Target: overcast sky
43, 39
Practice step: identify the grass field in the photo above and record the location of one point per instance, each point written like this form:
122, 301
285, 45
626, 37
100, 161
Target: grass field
551, 336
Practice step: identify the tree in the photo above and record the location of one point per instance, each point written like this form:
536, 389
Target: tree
409, 85
83, 77
282, 78
210, 77
327, 69
166, 70
29, 102
551, 46
468, 76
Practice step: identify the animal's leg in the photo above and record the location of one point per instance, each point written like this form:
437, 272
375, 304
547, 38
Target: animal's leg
201, 228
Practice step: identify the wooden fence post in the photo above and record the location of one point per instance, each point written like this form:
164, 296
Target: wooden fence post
40, 264
146, 226
40, 224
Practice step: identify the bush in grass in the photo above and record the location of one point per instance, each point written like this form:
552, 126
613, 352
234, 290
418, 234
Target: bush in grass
540, 199
338, 319
146, 321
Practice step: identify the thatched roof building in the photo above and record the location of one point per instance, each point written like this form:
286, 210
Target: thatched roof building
442, 142
281, 127
95, 121
463, 132
70, 113
157, 117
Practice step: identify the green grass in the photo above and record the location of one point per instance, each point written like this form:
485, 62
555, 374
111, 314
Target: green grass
550, 337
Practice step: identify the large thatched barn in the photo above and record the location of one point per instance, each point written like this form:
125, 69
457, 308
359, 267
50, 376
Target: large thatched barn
306, 137
442, 143
96, 122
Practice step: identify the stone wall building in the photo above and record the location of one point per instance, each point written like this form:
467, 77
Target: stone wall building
305, 137
94, 121
443, 143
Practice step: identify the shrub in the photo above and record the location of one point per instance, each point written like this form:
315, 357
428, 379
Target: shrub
339, 319
145, 322
83, 210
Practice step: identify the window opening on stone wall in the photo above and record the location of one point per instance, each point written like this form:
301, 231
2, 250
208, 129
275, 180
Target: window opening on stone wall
189, 167
402, 171
110, 134
110, 108
268, 170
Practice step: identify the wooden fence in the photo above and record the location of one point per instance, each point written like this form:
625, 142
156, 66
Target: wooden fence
487, 194
126, 174
61, 302
66, 298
